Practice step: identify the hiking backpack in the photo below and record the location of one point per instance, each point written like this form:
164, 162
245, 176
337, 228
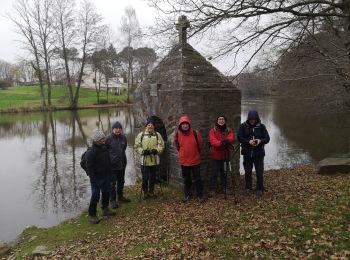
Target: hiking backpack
83, 159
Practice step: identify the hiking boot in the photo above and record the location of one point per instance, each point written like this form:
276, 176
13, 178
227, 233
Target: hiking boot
114, 204
146, 196
94, 220
211, 194
106, 212
122, 199
201, 200
259, 193
152, 195
186, 199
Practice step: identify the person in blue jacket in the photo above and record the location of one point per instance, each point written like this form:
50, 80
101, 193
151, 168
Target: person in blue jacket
253, 136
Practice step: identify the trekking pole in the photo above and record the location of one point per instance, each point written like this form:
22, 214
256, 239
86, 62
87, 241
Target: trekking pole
233, 179
225, 173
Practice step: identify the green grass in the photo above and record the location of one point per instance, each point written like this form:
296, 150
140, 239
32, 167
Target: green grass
28, 97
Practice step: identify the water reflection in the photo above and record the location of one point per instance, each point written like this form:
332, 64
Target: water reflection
40, 172
321, 134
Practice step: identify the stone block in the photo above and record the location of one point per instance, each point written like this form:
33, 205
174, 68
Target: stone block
334, 165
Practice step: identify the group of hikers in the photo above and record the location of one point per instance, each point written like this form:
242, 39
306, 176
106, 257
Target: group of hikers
106, 159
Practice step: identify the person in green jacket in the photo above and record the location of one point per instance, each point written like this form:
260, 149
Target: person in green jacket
149, 144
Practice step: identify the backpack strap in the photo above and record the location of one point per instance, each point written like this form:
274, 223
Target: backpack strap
154, 133
195, 137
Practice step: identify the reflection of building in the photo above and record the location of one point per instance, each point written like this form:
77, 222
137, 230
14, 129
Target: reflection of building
92, 79
184, 82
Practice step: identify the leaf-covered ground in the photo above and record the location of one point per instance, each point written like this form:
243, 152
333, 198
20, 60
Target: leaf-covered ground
302, 215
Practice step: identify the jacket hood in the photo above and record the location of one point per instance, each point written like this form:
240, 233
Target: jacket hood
184, 119
253, 115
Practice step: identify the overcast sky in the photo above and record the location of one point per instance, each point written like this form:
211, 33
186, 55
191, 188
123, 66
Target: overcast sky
111, 10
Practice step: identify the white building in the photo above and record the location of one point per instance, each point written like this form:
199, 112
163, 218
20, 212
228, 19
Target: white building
90, 80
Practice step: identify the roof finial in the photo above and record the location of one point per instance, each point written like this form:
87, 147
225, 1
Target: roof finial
182, 26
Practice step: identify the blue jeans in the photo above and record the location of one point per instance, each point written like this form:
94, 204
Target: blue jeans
99, 185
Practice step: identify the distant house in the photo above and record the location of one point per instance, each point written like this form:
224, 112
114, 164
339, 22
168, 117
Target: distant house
89, 80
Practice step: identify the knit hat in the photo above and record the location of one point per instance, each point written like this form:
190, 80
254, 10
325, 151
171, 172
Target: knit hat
117, 125
97, 135
150, 120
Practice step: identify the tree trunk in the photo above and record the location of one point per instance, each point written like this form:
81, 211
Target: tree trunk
41, 84
107, 87
80, 78
66, 64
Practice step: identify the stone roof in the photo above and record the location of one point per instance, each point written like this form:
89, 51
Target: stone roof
184, 67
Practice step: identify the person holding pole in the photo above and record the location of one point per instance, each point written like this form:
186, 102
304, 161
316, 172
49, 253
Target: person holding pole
221, 138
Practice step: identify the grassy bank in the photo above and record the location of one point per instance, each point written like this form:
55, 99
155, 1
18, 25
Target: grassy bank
26, 98
303, 215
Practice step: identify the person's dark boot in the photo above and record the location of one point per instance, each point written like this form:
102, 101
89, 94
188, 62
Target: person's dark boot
106, 212
146, 196
259, 193
122, 199
186, 199
94, 220
201, 200
114, 204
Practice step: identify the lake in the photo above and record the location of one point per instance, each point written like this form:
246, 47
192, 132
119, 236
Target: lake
42, 183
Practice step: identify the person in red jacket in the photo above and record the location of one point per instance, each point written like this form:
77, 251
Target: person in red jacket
189, 143
221, 138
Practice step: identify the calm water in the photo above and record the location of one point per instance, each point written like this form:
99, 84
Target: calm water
41, 181
42, 184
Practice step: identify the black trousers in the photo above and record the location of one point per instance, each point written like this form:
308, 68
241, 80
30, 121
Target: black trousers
187, 173
218, 169
148, 178
118, 181
258, 163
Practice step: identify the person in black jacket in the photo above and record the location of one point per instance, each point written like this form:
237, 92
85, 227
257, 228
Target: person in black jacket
117, 144
98, 168
253, 136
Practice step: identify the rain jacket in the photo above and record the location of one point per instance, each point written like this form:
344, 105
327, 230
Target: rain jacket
248, 132
216, 136
186, 145
117, 146
149, 142
97, 161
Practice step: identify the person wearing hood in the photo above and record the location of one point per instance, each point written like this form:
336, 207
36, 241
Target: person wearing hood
221, 138
98, 168
189, 144
149, 144
117, 145
253, 136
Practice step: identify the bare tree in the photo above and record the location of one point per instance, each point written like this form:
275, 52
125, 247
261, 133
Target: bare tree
264, 26
44, 31
64, 13
5, 68
88, 33
145, 58
22, 17
131, 32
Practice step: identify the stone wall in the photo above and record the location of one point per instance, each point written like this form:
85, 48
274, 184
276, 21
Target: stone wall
188, 85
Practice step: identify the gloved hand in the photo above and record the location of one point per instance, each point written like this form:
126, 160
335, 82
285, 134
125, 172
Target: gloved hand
146, 152
154, 151
225, 143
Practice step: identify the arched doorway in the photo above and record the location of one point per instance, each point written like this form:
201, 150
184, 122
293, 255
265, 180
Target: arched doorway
163, 167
